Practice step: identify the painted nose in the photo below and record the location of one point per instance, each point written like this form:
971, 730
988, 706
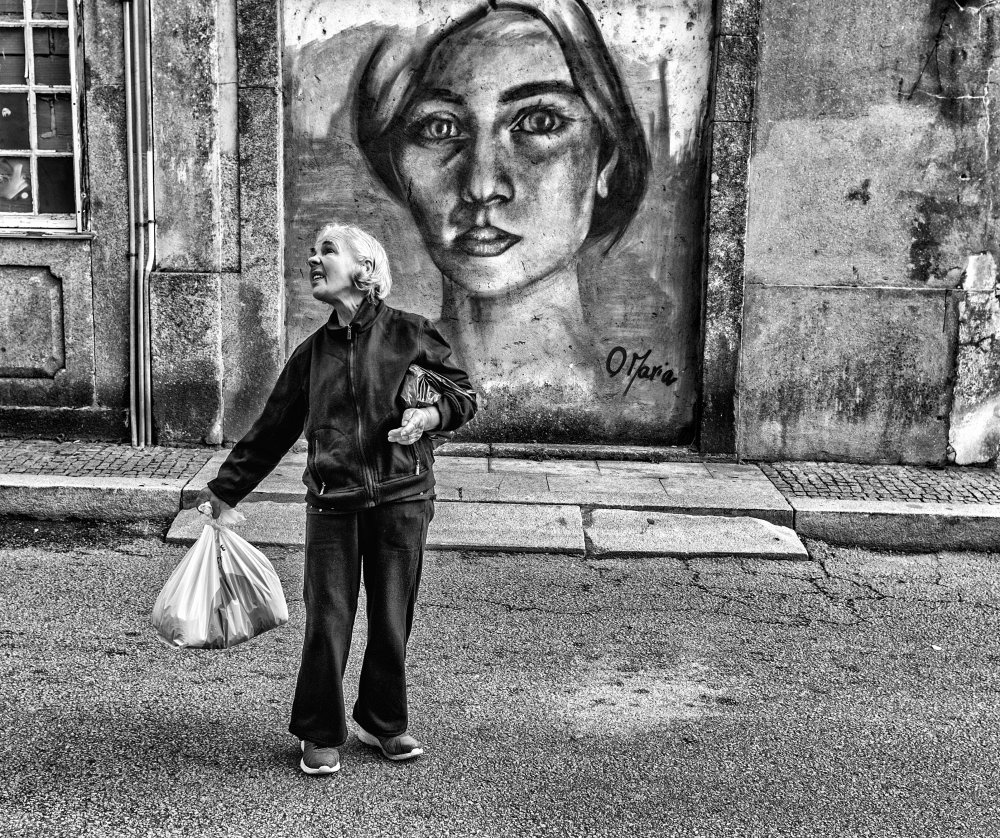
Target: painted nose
485, 179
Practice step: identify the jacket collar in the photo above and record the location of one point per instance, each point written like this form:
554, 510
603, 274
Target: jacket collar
363, 318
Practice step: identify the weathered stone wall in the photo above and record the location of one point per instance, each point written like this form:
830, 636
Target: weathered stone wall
64, 297
871, 186
217, 292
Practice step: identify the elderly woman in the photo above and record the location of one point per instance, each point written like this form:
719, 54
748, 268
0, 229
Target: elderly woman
512, 139
369, 490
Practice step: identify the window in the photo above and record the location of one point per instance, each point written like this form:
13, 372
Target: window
39, 116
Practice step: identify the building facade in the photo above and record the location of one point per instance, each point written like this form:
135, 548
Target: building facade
760, 229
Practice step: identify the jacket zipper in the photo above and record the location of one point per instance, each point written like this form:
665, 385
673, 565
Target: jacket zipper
370, 486
313, 468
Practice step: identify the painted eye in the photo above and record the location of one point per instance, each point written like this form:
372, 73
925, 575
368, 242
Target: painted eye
437, 128
541, 121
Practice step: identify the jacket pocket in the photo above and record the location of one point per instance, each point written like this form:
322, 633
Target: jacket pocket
333, 463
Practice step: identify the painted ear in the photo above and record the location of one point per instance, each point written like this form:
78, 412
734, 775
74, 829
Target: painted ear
604, 176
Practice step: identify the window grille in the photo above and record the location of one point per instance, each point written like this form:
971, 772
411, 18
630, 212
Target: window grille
40, 145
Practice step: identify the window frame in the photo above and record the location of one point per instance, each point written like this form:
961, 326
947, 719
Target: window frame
70, 222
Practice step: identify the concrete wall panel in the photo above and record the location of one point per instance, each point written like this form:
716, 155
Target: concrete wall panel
54, 278
871, 186
847, 373
185, 319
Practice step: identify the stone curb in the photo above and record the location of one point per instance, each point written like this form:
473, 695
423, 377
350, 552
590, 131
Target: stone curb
57, 497
895, 525
885, 525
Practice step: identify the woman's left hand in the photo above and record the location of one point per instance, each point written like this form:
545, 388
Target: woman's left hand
416, 421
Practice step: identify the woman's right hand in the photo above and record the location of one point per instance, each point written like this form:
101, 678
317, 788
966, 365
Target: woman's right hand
206, 495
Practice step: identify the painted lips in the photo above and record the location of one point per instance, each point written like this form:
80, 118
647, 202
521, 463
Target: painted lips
485, 241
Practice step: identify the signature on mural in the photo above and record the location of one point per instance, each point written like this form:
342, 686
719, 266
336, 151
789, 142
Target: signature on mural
618, 361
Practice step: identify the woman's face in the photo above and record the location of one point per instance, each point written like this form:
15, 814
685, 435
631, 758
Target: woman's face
332, 268
499, 156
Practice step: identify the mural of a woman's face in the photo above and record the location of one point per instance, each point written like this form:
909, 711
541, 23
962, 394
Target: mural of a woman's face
499, 156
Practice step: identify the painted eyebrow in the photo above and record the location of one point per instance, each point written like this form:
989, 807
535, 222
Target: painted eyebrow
441, 94
537, 88
513, 94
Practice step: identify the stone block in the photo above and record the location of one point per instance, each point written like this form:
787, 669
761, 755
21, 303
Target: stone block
187, 357
736, 471
259, 43
974, 429
583, 468
31, 324
493, 488
265, 524
736, 73
629, 533
893, 525
724, 285
605, 484
187, 133
657, 470
102, 35
253, 322
739, 17
845, 374
55, 497
506, 528
46, 323
108, 216
457, 464
63, 422
456, 526
741, 498
207, 472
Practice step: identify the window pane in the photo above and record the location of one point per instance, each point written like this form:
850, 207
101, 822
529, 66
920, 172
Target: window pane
14, 121
54, 118
12, 57
15, 184
11, 8
53, 9
56, 190
51, 55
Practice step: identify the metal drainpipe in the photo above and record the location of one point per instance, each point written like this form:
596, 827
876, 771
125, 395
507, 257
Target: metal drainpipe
133, 385
139, 150
150, 214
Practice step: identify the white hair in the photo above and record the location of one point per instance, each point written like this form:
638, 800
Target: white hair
365, 248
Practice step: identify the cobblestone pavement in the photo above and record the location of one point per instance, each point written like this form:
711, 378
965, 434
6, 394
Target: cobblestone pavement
81, 459
846, 481
839, 481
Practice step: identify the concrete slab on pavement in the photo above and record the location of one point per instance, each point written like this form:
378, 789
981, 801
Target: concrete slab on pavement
898, 525
456, 526
267, 523
625, 532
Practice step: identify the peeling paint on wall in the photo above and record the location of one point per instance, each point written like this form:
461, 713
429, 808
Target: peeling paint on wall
974, 435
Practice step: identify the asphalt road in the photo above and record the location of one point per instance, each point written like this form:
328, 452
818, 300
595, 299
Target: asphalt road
852, 695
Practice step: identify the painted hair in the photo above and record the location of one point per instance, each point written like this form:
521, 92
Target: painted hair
365, 248
393, 75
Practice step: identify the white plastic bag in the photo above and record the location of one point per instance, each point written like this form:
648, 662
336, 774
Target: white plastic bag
223, 592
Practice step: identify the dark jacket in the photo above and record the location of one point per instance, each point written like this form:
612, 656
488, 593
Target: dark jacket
342, 386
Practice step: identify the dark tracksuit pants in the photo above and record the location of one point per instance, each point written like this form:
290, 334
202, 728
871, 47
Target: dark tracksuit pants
383, 545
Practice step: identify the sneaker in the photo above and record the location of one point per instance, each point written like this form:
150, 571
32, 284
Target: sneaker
319, 760
395, 748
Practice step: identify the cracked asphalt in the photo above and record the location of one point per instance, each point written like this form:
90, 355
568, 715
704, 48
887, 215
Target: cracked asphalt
851, 695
